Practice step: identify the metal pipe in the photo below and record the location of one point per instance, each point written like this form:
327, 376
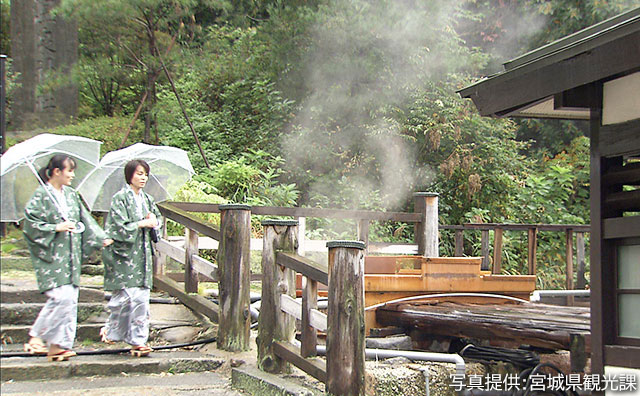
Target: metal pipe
376, 353
538, 294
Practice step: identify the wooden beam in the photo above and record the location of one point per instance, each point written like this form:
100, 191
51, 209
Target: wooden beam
628, 174
622, 356
190, 275
532, 242
278, 292
569, 258
188, 220
312, 366
497, 251
174, 252
196, 302
619, 139
621, 227
459, 243
305, 266
426, 237
581, 281
484, 247
204, 267
309, 335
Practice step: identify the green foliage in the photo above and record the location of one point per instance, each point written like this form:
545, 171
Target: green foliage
109, 130
196, 191
5, 17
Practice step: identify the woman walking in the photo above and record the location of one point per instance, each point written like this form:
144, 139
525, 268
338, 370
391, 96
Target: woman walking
132, 220
59, 231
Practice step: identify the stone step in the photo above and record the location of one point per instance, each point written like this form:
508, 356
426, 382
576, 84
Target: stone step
19, 334
26, 313
18, 291
38, 368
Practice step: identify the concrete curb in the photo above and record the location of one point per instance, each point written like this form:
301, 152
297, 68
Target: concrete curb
259, 383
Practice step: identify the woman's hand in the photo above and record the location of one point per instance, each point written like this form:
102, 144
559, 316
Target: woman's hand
107, 242
153, 218
65, 226
147, 223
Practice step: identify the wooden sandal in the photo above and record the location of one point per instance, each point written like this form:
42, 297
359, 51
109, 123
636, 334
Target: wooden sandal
36, 347
61, 356
141, 350
103, 336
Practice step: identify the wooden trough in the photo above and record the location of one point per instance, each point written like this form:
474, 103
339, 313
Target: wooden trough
389, 278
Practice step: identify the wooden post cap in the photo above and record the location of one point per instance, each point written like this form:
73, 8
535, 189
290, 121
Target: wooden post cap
346, 244
278, 222
234, 207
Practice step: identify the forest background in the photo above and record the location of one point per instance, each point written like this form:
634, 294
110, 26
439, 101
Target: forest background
339, 104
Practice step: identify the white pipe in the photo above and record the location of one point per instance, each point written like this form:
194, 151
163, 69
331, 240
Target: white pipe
376, 353
538, 294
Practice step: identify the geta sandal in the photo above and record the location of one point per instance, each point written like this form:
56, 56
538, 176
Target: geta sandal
103, 336
61, 356
141, 350
36, 348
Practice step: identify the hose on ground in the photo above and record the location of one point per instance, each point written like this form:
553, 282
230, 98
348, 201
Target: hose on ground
115, 351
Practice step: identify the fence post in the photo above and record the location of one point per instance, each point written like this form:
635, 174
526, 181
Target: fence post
581, 281
302, 227
273, 324
497, 250
459, 243
426, 203
190, 248
484, 248
533, 244
569, 246
160, 259
234, 277
345, 319
363, 232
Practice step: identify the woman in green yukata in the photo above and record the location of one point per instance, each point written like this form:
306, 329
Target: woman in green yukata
128, 262
59, 231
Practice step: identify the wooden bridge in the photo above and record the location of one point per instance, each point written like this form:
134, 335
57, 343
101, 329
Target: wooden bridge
344, 323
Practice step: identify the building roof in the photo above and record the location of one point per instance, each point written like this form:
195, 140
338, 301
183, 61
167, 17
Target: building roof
553, 80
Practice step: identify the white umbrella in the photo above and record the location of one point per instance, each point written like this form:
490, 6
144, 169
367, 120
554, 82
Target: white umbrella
18, 166
170, 169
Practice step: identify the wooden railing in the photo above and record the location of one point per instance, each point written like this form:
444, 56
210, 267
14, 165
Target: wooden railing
343, 324
343, 372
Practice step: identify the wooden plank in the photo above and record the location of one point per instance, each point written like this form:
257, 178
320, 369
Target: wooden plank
205, 267
345, 321
278, 291
484, 250
628, 174
309, 335
305, 266
291, 306
580, 259
307, 212
195, 302
619, 139
176, 253
497, 251
188, 220
313, 366
191, 249
622, 356
459, 243
627, 201
234, 279
621, 227
532, 242
426, 236
569, 258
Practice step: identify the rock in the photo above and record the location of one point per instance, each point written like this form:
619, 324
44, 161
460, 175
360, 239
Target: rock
179, 334
393, 342
89, 269
396, 361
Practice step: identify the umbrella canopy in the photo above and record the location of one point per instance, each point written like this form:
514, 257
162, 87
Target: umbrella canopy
18, 181
170, 169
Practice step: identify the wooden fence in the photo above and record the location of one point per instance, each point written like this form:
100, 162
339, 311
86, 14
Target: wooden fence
343, 372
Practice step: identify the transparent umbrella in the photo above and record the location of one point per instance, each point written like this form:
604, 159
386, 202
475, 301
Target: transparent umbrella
170, 169
19, 166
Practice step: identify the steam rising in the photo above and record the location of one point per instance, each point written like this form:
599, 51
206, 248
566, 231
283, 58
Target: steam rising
368, 59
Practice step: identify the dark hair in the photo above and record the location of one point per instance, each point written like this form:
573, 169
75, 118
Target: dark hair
131, 166
58, 161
